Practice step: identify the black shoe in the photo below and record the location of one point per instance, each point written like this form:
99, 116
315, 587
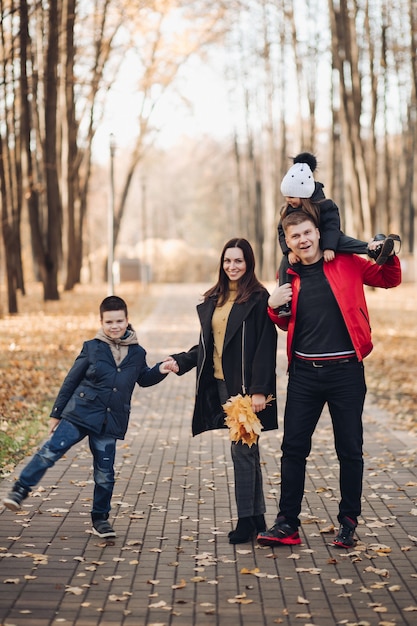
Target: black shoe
260, 524
344, 538
374, 254
382, 253
284, 310
387, 247
102, 528
14, 499
281, 533
244, 531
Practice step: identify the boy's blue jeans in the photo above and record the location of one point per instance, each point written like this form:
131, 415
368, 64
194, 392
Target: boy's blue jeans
66, 435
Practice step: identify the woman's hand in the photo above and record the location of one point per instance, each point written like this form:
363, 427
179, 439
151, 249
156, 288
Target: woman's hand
169, 365
258, 402
281, 295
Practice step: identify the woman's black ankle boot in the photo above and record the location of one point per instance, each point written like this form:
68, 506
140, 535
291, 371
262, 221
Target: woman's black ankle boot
260, 524
244, 530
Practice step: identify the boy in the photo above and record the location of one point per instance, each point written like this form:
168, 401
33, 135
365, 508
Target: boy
94, 402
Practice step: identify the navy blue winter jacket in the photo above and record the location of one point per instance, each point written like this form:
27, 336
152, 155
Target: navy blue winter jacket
96, 392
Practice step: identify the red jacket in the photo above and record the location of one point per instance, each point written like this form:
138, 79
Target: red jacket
346, 274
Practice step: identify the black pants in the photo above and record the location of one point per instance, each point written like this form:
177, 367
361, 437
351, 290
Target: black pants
343, 388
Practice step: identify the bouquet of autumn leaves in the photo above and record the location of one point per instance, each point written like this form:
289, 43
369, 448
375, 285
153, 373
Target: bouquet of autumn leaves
244, 425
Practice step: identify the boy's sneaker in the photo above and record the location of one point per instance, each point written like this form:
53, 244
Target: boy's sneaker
14, 499
102, 528
281, 533
344, 538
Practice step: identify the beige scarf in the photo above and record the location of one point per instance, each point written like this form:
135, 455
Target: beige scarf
119, 347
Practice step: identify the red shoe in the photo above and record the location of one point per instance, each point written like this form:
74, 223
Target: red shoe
281, 533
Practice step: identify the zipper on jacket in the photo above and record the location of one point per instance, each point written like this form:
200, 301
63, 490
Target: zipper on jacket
243, 357
197, 384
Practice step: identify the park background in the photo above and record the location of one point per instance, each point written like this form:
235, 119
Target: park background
149, 132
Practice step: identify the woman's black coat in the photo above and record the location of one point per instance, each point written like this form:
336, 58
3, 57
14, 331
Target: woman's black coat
249, 361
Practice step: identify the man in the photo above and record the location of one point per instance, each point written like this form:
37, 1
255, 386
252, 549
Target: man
328, 338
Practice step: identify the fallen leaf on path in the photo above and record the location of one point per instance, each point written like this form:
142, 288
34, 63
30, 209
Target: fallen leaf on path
342, 581
302, 600
240, 599
245, 570
375, 570
180, 585
11, 581
76, 591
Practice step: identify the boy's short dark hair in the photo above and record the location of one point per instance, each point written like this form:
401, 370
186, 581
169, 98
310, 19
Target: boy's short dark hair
113, 303
297, 217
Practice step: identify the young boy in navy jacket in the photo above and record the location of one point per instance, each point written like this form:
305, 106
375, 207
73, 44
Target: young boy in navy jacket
94, 402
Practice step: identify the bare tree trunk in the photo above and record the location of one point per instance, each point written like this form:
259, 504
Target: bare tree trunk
10, 161
345, 59
269, 165
70, 152
53, 253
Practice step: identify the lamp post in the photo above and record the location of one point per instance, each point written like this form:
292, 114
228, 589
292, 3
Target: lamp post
110, 221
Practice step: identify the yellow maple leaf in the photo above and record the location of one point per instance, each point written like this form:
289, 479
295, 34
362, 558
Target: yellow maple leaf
244, 425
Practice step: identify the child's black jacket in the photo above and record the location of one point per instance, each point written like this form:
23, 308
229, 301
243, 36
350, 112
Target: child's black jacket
96, 392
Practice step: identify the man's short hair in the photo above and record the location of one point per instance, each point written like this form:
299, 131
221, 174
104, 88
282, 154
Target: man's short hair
113, 303
297, 217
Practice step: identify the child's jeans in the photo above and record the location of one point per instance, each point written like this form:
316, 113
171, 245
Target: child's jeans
66, 435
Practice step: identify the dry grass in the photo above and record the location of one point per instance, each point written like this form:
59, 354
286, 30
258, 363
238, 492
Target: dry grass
391, 369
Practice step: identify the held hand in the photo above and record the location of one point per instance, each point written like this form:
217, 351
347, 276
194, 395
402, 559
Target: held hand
293, 258
53, 423
169, 365
281, 295
328, 255
258, 402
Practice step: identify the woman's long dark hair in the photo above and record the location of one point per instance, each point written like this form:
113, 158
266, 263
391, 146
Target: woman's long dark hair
246, 286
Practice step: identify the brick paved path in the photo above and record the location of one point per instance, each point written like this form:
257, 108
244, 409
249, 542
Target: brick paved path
173, 507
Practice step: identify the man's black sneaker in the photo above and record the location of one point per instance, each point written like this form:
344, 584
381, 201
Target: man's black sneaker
281, 533
14, 499
344, 538
102, 528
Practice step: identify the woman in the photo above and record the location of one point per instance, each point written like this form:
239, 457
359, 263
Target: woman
236, 354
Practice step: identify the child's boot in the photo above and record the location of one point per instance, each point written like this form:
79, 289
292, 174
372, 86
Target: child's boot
14, 499
388, 244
